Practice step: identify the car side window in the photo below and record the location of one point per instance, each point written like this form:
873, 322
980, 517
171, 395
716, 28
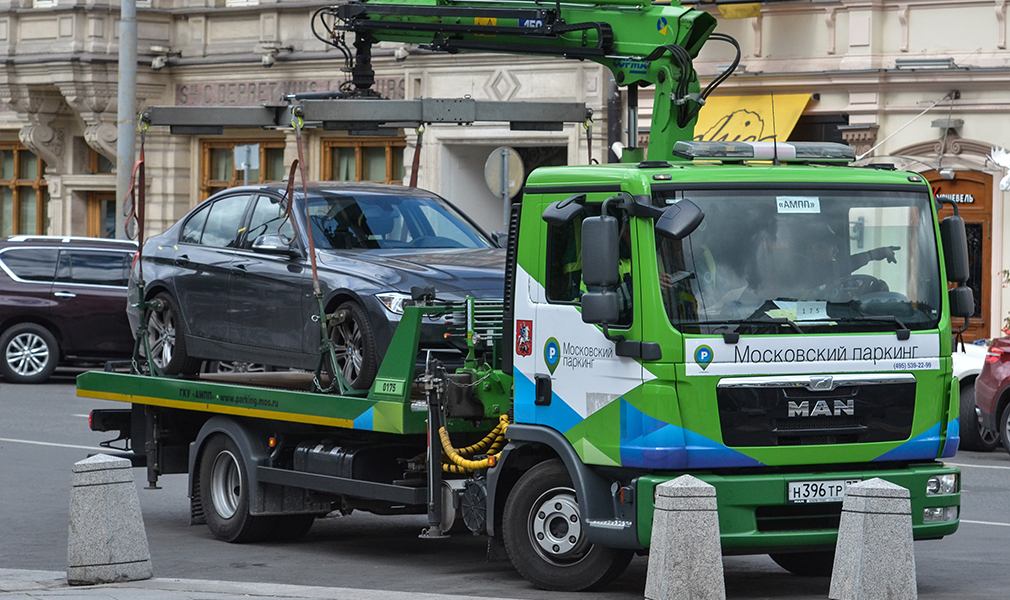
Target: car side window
94, 267
268, 217
31, 264
224, 221
193, 228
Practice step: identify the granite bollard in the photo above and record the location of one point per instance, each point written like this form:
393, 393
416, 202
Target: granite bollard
107, 541
873, 556
685, 558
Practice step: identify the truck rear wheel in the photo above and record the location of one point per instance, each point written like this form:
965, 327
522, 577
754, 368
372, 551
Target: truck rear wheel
807, 564
225, 494
545, 535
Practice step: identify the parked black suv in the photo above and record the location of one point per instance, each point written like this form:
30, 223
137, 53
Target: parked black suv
62, 301
235, 282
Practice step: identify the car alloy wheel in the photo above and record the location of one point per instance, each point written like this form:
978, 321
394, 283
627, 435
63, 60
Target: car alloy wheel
27, 354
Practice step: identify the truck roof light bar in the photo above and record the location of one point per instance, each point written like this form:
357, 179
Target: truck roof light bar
811, 152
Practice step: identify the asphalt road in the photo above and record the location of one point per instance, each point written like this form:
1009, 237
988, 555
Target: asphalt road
43, 431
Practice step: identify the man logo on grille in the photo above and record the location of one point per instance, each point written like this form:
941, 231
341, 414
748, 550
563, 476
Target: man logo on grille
822, 409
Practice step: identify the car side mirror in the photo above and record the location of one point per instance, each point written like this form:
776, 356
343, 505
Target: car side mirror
679, 220
274, 244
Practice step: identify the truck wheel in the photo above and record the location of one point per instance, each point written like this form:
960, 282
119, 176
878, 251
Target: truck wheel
225, 494
168, 343
807, 564
546, 539
355, 346
974, 435
30, 353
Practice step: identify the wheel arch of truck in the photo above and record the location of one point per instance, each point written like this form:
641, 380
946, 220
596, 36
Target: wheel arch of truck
597, 501
253, 450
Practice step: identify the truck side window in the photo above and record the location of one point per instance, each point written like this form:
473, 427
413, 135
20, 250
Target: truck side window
564, 267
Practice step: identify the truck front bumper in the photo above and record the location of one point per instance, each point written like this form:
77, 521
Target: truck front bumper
755, 517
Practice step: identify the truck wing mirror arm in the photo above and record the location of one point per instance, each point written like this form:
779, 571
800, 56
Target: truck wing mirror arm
564, 211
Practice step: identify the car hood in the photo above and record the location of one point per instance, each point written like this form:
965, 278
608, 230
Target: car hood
454, 273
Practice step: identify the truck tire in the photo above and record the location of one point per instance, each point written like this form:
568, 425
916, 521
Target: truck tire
29, 353
974, 436
546, 538
225, 494
807, 564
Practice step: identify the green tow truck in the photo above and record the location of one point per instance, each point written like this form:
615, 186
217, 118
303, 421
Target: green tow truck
762, 316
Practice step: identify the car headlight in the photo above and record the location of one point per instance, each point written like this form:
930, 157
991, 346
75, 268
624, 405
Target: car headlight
941, 484
393, 301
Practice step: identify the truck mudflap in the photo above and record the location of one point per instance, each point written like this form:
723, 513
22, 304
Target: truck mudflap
757, 514
607, 505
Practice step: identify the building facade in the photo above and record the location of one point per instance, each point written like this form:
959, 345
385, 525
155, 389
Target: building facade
919, 84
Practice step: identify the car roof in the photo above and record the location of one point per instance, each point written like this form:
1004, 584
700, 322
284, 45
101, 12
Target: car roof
321, 188
67, 240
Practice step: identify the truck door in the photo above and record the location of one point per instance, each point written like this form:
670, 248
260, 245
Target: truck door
578, 379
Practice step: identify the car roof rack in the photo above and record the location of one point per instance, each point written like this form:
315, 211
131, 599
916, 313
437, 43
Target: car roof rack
66, 239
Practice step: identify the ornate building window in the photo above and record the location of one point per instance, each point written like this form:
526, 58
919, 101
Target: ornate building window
363, 159
217, 164
101, 217
24, 194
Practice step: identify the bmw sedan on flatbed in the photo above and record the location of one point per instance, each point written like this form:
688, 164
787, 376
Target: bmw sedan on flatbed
234, 277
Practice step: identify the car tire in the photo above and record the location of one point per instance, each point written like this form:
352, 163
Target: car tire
974, 436
540, 522
30, 353
1004, 428
224, 492
167, 342
806, 564
355, 346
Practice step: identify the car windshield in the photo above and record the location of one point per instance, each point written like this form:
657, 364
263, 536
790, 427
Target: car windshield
365, 221
803, 260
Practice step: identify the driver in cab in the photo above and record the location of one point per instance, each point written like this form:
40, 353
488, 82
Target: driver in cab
824, 271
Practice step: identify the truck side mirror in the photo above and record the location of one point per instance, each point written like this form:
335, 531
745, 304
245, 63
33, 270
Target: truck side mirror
600, 257
962, 302
600, 307
955, 248
679, 220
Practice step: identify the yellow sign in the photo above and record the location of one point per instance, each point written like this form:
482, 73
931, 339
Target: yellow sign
740, 11
749, 118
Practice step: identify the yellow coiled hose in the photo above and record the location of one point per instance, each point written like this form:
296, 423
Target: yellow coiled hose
493, 442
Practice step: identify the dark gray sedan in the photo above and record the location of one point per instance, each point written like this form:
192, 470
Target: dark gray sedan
235, 280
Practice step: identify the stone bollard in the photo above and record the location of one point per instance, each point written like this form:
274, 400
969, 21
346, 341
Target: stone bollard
873, 556
685, 560
107, 541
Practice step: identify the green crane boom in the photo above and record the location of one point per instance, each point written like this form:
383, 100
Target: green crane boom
642, 45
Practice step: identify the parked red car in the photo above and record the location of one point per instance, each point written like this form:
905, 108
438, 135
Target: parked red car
991, 390
62, 301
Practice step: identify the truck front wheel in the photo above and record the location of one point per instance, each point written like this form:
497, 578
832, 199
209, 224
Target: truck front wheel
545, 535
225, 494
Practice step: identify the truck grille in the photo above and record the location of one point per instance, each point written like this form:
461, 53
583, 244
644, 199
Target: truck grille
799, 517
808, 410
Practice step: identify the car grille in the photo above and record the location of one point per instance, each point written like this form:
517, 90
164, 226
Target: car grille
770, 411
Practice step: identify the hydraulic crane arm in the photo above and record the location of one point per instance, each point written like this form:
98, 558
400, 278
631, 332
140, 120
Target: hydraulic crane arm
641, 44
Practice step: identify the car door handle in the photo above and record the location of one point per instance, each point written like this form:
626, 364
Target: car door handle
181, 261
64, 294
238, 270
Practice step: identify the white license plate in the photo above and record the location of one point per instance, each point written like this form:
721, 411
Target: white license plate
805, 492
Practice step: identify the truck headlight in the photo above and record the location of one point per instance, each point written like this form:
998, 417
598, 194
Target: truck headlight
939, 514
941, 484
393, 301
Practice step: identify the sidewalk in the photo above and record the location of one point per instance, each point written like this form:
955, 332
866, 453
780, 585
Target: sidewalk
33, 585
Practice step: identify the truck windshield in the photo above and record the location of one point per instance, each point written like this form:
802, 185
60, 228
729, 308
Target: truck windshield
810, 260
